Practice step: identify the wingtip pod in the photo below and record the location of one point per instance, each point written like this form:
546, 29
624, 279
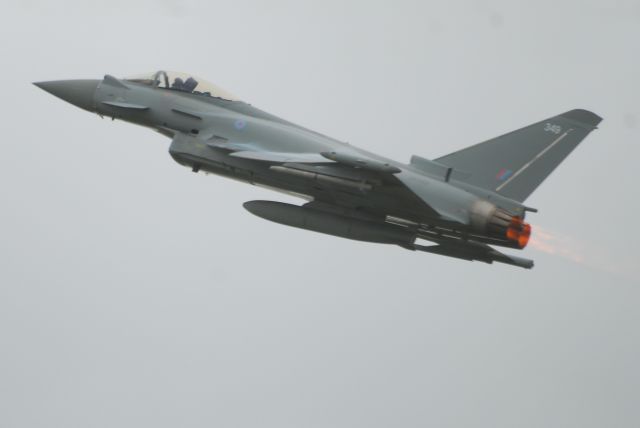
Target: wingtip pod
586, 117
473, 252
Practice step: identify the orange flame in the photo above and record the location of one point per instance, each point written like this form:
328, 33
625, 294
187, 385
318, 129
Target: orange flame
586, 254
519, 231
555, 244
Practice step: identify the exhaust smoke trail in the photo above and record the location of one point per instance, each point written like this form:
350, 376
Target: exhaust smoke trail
551, 243
582, 253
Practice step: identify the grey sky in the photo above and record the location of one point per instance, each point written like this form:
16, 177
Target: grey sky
136, 293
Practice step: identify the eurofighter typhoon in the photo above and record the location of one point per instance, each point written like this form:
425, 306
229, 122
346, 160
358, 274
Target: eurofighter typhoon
460, 205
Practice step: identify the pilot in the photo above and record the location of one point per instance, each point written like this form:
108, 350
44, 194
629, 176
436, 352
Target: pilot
178, 84
190, 84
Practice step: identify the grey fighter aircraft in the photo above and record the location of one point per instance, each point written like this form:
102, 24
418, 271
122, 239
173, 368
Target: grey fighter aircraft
458, 205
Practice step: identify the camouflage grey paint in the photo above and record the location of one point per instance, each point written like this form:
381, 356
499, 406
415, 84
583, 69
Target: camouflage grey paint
462, 202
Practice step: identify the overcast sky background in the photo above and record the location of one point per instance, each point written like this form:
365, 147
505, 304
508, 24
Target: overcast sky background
136, 293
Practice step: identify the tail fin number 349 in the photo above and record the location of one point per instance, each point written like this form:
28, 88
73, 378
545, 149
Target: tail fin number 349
550, 127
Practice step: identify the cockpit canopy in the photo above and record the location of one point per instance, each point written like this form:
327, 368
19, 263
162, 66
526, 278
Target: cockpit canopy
183, 82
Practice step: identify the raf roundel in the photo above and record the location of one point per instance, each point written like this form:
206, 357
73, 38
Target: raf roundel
240, 124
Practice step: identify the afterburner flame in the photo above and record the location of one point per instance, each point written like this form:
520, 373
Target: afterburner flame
585, 253
519, 232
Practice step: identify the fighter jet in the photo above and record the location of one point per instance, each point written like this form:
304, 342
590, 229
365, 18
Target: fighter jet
460, 205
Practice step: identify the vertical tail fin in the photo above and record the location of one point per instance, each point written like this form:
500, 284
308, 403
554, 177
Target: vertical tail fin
515, 164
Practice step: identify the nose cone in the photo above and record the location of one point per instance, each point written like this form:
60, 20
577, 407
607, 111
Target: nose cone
80, 93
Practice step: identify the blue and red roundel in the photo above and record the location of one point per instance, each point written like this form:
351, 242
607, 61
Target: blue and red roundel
503, 174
